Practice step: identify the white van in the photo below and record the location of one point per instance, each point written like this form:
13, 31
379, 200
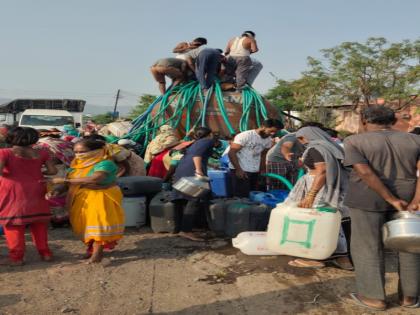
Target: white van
46, 119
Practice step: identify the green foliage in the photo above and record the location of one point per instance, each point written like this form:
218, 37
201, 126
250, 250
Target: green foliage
320, 114
352, 73
361, 72
282, 96
143, 103
103, 119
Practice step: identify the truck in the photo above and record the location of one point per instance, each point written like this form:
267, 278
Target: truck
43, 113
46, 119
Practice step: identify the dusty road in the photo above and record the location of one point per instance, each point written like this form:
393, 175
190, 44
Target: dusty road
163, 274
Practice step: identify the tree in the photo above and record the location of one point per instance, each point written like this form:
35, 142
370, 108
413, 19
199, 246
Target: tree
359, 73
283, 96
143, 103
103, 119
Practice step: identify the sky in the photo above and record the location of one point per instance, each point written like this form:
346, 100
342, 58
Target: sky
89, 49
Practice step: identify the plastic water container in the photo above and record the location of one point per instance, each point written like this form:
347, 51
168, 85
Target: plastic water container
266, 198
220, 183
257, 196
139, 185
252, 243
216, 216
271, 202
306, 233
279, 194
237, 218
224, 161
259, 216
162, 213
135, 211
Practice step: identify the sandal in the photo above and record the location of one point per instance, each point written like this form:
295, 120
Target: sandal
356, 300
301, 263
415, 305
345, 266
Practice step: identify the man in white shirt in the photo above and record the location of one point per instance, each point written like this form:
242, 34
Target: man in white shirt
247, 156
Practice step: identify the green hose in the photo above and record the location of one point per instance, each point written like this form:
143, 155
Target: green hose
284, 180
183, 99
221, 104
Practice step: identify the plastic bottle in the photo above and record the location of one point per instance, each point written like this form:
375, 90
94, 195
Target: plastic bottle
252, 243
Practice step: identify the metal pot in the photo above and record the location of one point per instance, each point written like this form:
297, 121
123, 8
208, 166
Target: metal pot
196, 186
403, 232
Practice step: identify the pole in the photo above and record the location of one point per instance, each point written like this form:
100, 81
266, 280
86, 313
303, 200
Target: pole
116, 104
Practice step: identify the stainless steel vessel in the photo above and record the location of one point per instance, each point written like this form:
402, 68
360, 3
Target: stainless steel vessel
403, 232
196, 186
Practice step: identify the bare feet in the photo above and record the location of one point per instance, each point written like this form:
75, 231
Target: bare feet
89, 251
87, 255
97, 254
190, 236
12, 263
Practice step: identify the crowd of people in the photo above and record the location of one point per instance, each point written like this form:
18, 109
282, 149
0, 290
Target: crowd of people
58, 176
196, 61
367, 177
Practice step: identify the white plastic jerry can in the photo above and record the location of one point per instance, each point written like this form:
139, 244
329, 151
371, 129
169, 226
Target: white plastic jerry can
134, 211
252, 243
300, 232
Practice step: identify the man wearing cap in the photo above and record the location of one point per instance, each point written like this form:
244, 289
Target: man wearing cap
239, 50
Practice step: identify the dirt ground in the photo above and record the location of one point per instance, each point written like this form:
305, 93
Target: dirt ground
163, 274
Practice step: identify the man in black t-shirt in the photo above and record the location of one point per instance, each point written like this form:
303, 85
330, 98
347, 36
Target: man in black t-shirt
384, 179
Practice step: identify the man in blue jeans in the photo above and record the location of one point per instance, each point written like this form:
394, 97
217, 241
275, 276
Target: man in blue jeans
207, 66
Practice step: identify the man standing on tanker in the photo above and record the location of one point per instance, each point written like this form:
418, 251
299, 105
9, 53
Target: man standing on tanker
239, 50
174, 68
207, 66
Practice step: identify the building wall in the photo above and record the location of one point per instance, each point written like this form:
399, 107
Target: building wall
349, 120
